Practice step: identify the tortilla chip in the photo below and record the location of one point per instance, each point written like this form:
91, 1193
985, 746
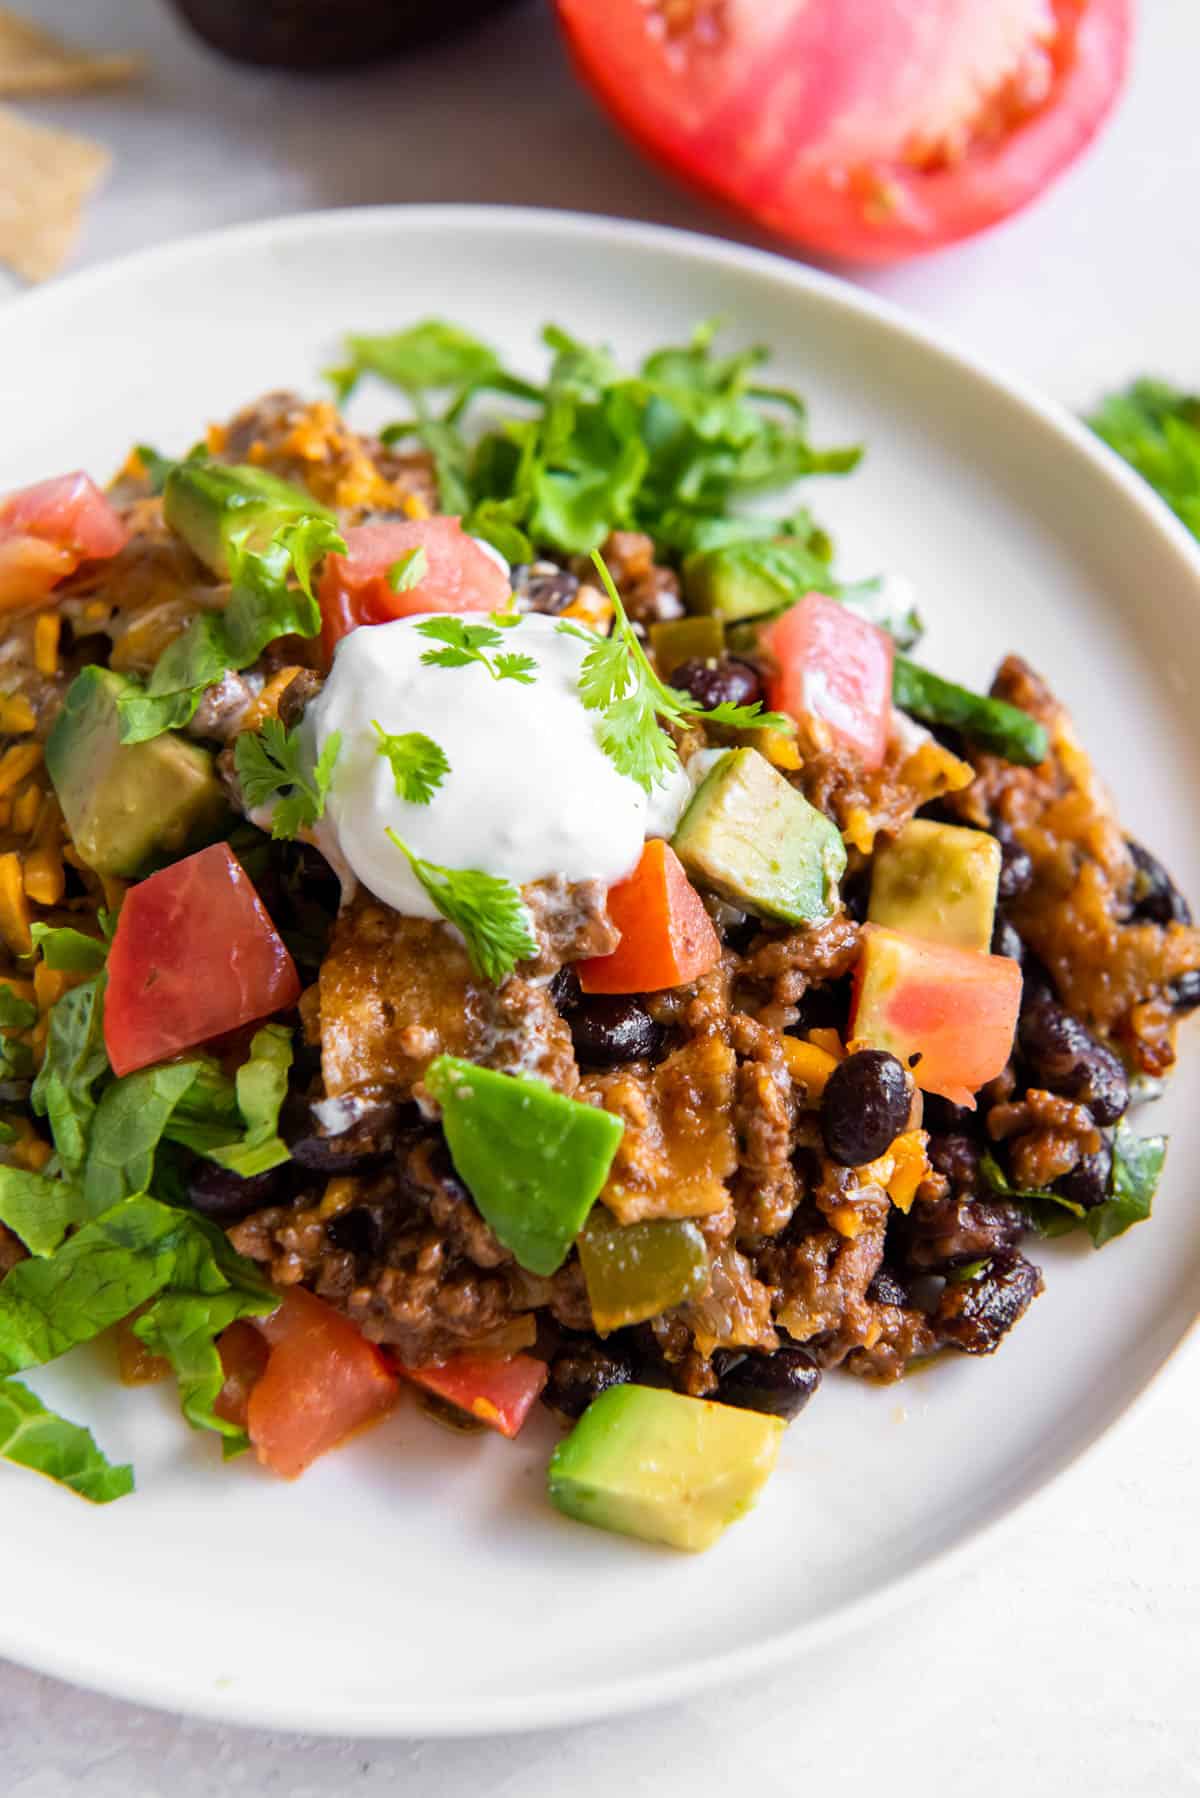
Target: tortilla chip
45, 177
33, 61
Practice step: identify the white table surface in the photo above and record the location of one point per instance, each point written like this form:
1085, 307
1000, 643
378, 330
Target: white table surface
1068, 1656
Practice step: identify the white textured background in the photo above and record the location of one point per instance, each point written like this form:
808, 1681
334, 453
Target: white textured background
1068, 1659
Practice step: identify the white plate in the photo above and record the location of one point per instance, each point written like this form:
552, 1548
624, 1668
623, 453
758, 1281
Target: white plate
419, 1583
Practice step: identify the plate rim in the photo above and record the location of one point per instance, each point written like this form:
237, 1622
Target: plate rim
375, 1718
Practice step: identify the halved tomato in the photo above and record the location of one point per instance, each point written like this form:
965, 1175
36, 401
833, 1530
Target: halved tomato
194, 955
870, 129
47, 530
323, 1381
445, 571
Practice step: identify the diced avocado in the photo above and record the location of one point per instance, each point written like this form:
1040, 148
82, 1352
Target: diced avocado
938, 882
722, 583
533, 1160
753, 839
682, 640
634, 1271
127, 806
210, 506
653, 1464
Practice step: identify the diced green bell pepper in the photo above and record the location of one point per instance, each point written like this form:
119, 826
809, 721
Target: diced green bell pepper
634, 1271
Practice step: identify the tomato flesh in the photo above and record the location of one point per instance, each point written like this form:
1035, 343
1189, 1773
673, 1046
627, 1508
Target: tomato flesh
498, 1392
459, 576
667, 937
870, 129
323, 1381
948, 1014
833, 665
194, 955
48, 529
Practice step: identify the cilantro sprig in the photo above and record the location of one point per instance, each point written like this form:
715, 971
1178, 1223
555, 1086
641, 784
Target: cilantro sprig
418, 763
271, 765
494, 920
464, 643
618, 681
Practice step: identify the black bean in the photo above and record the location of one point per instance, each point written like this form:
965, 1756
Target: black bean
825, 1007
371, 1137
957, 1157
544, 586
1065, 1058
887, 1288
1016, 869
218, 1194
723, 681
565, 990
944, 1118
1184, 993
1156, 898
975, 1315
608, 1031
856, 894
1006, 940
865, 1106
780, 1384
356, 1232
580, 1372
1089, 1180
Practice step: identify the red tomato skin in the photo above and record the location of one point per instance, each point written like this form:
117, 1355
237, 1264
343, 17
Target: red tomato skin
354, 590
48, 529
498, 1392
667, 937
809, 170
836, 666
955, 1009
194, 955
323, 1382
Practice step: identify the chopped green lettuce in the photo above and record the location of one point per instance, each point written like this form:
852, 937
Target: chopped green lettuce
32, 1436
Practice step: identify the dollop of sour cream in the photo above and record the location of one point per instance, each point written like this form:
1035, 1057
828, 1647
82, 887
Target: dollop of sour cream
530, 793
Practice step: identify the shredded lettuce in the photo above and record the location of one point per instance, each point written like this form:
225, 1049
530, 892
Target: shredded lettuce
32, 1436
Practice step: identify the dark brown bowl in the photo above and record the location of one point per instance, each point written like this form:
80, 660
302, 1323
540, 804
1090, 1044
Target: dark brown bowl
326, 34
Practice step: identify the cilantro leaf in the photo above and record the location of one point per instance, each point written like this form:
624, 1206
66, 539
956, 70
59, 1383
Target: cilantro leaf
418, 763
466, 643
33, 1436
263, 605
68, 951
271, 767
409, 571
1137, 1167
1156, 429
494, 920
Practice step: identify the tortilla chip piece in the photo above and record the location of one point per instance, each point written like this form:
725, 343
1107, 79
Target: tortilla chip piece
45, 177
34, 61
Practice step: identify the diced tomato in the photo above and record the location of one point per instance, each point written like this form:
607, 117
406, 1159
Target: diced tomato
948, 1014
244, 1353
868, 129
832, 664
47, 530
499, 1392
194, 955
323, 1381
458, 577
667, 937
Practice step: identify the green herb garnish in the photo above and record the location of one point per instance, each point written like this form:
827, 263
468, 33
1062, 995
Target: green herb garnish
418, 763
271, 766
1156, 428
494, 920
466, 643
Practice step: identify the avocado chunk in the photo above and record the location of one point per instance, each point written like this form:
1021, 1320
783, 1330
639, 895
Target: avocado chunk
722, 583
753, 839
938, 882
211, 506
533, 1160
665, 1468
127, 806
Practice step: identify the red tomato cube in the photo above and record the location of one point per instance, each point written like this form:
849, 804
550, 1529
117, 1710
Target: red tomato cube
48, 529
498, 1391
194, 955
948, 1014
457, 576
667, 937
833, 665
323, 1381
